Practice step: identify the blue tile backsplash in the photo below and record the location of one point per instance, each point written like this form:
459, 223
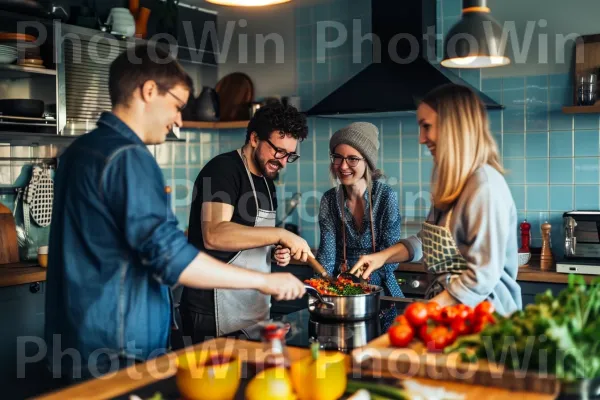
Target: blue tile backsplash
552, 159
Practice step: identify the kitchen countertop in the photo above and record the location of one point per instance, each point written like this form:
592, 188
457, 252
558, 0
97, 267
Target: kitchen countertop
530, 273
21, 273
137, 376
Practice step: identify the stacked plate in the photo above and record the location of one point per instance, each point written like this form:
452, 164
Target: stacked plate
8, 54
26, 52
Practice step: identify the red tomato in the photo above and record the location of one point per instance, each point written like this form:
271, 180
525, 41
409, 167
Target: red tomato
416, 313
401, 320
451, 337
449, 314
461, 326
464, 312
438, 337
434, 311
424, 331
482, 321
484, 308
401, 335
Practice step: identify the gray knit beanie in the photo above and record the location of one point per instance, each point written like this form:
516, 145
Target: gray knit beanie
363, 136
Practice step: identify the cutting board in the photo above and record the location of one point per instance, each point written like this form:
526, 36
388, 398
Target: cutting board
415, 361
236, 92
9, 248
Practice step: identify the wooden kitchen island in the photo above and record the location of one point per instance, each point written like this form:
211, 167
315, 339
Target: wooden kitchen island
140, 375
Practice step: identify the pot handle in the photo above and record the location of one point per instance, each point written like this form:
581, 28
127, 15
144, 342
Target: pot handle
316, 294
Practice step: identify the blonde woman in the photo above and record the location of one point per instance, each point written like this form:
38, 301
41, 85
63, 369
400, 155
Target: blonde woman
469, 240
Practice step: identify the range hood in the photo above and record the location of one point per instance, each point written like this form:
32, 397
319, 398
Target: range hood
387, 86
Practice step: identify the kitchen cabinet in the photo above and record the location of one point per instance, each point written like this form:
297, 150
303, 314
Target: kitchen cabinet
22, 315
530, 289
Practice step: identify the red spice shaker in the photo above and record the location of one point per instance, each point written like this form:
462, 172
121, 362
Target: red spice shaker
525, 237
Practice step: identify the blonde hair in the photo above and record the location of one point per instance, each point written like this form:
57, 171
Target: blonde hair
464, 141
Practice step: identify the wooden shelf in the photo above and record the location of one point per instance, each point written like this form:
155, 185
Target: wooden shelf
11, 71
215, 125
582, 109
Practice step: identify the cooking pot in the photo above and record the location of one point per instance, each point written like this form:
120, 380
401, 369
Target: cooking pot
22, 108
357, 307
343, 336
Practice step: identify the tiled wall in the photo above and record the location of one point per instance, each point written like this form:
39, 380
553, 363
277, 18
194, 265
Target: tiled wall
553, 159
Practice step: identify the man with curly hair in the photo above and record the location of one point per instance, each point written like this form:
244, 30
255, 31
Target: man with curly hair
233, 219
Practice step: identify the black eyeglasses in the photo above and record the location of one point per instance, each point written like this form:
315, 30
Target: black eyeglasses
181, 104
352, 161
281, 153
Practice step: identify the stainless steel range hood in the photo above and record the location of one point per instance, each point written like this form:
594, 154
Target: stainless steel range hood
390, 87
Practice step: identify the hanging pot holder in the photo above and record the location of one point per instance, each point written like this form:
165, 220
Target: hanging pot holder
38, 197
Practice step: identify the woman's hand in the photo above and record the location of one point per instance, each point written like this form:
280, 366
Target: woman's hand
282, 256
366, 265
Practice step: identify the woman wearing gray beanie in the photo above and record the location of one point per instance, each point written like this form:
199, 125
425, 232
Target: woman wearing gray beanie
360, 215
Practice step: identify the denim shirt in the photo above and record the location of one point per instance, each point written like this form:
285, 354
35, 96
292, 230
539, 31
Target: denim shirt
114, 250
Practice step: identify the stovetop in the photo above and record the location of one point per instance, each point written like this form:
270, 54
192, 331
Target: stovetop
332, 335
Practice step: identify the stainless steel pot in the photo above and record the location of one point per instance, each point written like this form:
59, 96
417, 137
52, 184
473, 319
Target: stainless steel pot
343, 336
344, 308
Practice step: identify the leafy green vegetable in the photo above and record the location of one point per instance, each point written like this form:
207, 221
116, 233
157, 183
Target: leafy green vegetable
558, 335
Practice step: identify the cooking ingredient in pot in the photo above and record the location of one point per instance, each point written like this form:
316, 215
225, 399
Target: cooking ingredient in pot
341, 287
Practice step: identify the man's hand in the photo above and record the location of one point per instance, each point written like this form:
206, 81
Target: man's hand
283, 286
368, 264
299, 248
282, 256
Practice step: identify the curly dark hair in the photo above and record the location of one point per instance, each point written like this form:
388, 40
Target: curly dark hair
278, 117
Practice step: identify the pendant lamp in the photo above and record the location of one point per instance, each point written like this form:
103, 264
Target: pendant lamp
247, 3
474, 42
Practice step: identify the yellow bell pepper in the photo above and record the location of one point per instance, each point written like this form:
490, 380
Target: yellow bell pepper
321, 376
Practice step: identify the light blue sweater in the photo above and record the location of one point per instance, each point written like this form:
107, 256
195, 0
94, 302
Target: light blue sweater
483, 225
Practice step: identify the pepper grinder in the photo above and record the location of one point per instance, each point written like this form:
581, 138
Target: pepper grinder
546, 257
525, 237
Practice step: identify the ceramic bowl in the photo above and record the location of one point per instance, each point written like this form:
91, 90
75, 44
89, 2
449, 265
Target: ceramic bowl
524, 258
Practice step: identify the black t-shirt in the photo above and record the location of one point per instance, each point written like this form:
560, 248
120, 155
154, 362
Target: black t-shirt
223, 180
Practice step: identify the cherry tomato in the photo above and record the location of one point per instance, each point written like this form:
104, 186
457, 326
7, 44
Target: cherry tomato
464, 312
401, 320
484, 308
482, 321
424, 332
416, 313
451, 337
434, 311
438, 337
449, 314
461, 326
401, 335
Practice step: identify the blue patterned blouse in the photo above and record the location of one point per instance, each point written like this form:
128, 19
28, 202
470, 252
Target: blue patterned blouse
386, 216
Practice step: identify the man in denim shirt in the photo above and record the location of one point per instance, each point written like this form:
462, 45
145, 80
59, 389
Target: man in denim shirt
115, 248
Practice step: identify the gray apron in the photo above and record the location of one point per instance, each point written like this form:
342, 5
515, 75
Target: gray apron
239, 308
441, 256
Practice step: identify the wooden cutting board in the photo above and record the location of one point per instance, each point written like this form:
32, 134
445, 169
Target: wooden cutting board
9, 248
236, 92
415, 361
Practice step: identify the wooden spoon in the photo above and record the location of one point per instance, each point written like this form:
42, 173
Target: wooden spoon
318, 268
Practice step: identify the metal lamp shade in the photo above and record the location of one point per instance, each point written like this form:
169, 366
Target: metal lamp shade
474, 42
